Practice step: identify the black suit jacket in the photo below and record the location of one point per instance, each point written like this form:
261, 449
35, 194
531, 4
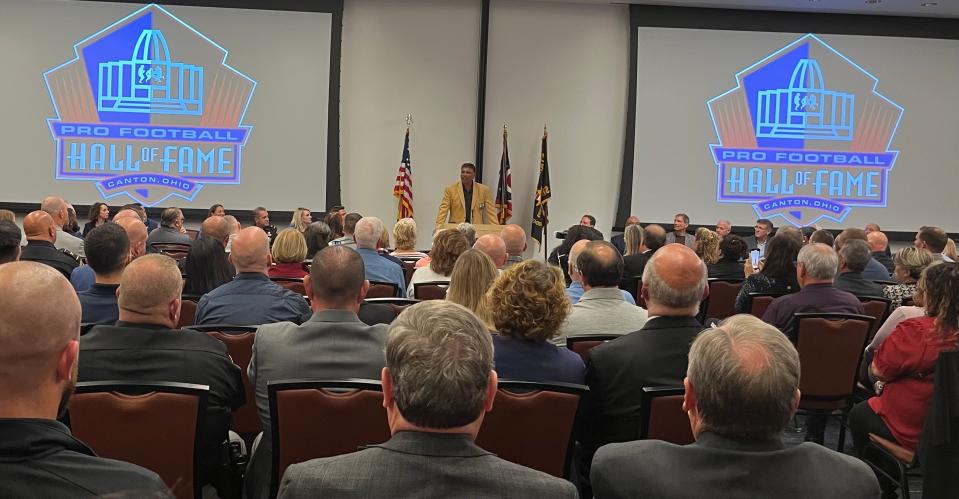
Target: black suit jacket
617, 371
719, 468
145, 352
885, 259
46, 253
855, 284
619, 240
633, 265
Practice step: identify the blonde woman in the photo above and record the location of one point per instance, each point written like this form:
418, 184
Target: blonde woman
707, 245
910, 262
302, 218
404, 234
289, 251
528, 305
472, 276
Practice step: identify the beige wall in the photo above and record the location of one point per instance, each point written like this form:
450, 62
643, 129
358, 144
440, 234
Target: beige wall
563, 64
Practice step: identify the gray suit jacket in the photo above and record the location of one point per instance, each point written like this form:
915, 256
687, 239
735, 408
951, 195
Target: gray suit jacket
718, 468
69, 242
420, 465
332, 344
690, 240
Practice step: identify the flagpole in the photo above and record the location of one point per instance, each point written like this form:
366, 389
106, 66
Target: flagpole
545, 222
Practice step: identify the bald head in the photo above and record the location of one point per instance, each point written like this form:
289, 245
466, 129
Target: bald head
136, 232
600, 264
251, 251
494, 247
574, 252
877, 241
56, 207
125, 213
515, 238
654, 237
216, 227
30, 349
150, 291
39, 226
674, 281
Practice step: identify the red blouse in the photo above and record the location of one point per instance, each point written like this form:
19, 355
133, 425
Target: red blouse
906, 359
292, 270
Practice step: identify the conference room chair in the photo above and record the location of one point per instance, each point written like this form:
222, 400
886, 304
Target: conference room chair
531, 424
379, 289
830, 347
156, 425
662, 416
721, 302
177, 251
397, 305
187, 312
431, 290
582, 344
86, 327
194, 234
311, 419
877, 307
294, 284
757, 303
239, 343
939, 441
409, 266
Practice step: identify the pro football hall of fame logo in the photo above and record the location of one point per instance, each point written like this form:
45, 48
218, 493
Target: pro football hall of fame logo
149, 108
804, 136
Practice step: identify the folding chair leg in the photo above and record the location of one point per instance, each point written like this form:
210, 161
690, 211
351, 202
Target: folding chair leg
842, 432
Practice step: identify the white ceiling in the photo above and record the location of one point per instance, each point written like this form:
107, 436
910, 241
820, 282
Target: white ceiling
944, 8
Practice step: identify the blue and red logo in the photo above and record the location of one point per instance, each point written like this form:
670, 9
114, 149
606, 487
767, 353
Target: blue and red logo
135, 119
804, 136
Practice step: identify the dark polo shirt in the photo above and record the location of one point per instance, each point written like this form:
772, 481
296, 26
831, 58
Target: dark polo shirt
812, 298
40, 458
46, 253
99, 304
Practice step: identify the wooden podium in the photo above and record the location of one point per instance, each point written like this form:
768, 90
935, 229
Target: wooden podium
481, 229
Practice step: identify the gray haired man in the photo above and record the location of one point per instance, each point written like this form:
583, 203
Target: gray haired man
436, 350
742, 387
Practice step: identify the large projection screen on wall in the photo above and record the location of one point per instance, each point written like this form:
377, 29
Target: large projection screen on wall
164, 105
831, 130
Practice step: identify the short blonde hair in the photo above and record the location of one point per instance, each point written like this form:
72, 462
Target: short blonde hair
404, 232
528, 301
289, 247
472, 276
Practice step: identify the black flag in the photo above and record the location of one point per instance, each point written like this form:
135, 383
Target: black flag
543, 194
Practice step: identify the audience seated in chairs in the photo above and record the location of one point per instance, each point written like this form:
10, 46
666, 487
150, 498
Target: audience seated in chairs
404, 234
494, 247
429, 439
472, 276
742, 388
146, 346
560, 254
332, 344
873, 271
38, 360
206, 266
251, 298
853, 257
706, 245
879, 246
83, 277
602, 309
903, 365
515, 238
527, 306
289, 251
41, 233
575, 289
674, 283
447, 247
909, 264
733, 251
108, 253
776, 274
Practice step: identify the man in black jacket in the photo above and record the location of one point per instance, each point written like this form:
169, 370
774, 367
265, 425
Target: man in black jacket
38, 357
674, 283
145, 345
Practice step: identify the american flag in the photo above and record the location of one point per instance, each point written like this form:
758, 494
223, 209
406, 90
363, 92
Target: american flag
504, 189
403, 189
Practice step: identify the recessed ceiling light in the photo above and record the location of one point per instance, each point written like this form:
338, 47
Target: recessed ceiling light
929, 4
873, 2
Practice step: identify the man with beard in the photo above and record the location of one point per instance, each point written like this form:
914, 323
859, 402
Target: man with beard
39, 347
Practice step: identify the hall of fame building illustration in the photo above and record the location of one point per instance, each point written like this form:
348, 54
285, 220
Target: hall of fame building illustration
148, 108
804, 136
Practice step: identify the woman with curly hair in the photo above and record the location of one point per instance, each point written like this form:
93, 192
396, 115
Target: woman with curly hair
527, 305
904, 364
910, 262
707, 245
447, 247
472, 276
